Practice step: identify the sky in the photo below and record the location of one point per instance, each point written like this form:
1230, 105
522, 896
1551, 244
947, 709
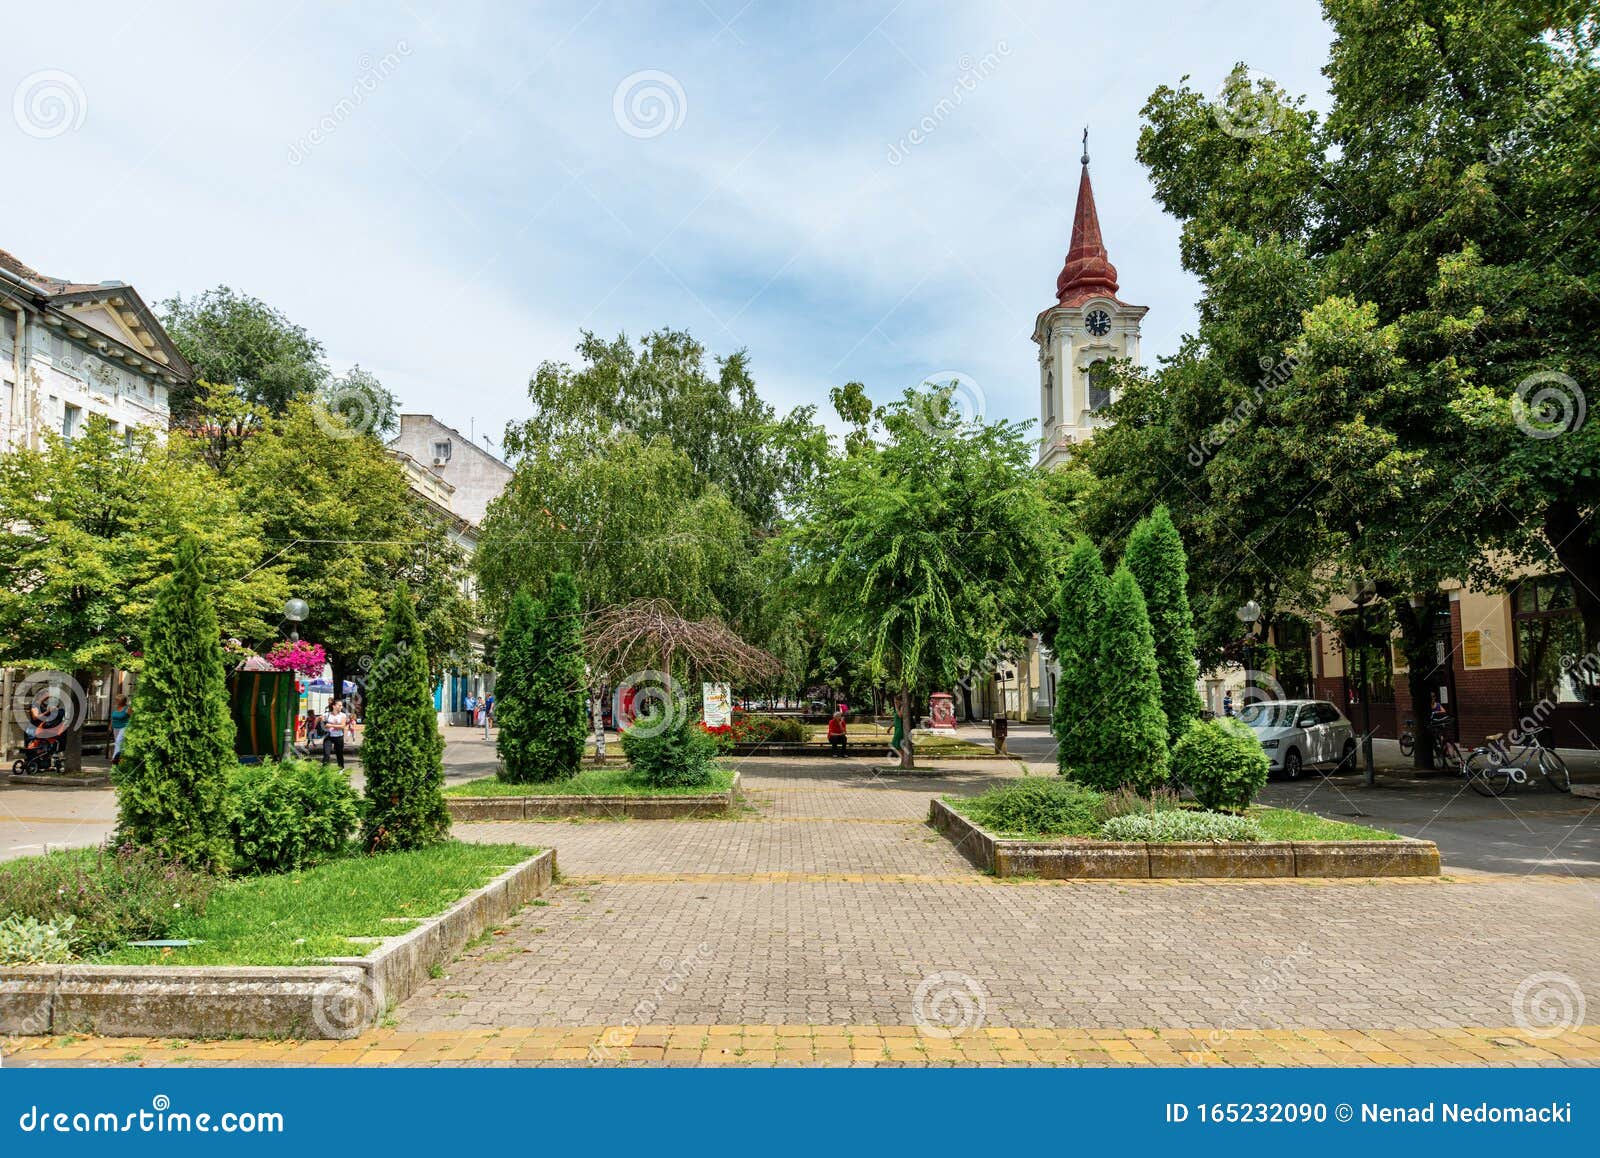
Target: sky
449, 194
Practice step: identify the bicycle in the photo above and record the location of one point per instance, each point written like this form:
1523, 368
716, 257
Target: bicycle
1498, 769
1452, 755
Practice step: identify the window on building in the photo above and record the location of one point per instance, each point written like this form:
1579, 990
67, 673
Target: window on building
1368, 658
441, 450
1550, 648
71, 419
1099, 387
1292, 656
1049, 396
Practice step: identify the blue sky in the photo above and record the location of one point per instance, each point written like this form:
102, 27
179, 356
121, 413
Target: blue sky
447, 194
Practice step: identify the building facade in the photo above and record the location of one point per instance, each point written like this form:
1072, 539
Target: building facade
458, 480
71, 349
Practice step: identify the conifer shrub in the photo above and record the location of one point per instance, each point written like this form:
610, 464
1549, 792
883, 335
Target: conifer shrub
172, 780
290, 815
1127, 731
1156, 557
669, 750
1080, 606
402, 752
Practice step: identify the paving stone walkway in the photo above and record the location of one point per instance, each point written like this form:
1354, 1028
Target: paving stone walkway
828, 923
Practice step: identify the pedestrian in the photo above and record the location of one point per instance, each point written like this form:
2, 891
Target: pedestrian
1227, 703
333, 730
488, 704
838, 732
997, 731
119, 725
470, 705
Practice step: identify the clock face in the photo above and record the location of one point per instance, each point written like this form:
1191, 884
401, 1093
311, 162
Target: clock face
1099, 323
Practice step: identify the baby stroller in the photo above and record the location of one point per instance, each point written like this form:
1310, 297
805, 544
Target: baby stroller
41, 755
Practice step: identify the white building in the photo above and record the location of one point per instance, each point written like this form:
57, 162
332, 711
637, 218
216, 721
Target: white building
459, 480
71, 349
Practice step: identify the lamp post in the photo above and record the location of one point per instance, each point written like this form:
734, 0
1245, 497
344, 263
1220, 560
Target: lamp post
1361, 594
1249, 614
294, 611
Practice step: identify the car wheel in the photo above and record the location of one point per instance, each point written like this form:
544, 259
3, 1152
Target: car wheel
1291, 765
1347, 761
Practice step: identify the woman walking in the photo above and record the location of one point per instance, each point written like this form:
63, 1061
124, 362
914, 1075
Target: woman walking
334, 725
119, 725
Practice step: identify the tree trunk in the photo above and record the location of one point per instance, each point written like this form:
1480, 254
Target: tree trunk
908, 758
1572, 538
77, 708
1417, 638
337, 664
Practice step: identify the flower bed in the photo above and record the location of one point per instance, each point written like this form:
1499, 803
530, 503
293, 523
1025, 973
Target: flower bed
608, 792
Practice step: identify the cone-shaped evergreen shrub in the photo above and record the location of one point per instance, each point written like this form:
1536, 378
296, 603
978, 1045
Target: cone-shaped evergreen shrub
402, 750
1079, 608
172, 781
516, 671
1130, 732
1156, 557
548, 688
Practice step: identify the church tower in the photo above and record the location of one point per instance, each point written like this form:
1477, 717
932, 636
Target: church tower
1087, 326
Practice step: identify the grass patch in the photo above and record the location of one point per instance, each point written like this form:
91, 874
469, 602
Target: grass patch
1288, 824
1050, 808
295, 918
608, 781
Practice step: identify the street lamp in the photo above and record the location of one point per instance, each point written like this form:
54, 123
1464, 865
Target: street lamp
1249, 615
1361, 594
295, 611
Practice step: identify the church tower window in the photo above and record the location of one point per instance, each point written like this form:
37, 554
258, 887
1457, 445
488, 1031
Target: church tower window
1099, 386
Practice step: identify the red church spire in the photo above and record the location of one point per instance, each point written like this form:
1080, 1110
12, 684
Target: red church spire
1088, 272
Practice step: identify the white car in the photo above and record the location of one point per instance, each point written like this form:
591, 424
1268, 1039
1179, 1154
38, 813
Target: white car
1295, 733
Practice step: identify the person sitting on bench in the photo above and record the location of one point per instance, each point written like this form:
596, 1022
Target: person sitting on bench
838, 738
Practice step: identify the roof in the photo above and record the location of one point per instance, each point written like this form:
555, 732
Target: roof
1088, 271
59, 298
466, 441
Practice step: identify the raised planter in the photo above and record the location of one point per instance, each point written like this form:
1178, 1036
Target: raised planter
37, 780
473, 808
1092, 859
336, 999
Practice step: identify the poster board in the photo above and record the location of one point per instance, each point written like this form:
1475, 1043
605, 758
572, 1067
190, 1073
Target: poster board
717, 705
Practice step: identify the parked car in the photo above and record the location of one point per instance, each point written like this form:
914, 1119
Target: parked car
1295, 733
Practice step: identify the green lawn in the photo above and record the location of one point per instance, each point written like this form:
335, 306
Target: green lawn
295, 918
987, 810
608, 781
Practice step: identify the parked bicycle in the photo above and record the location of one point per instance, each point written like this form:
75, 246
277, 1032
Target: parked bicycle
1444, 745
1498, 764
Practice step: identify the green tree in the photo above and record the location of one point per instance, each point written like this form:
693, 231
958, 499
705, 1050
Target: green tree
663, 389
338, 517
363, 403
1414, 272
402, 751
237, 341
1130, 734
1156, 559
924, 552
631, 518
89, 532
172, 781
1080, 612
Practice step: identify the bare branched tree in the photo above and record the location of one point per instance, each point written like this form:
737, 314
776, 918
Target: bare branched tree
649, 633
